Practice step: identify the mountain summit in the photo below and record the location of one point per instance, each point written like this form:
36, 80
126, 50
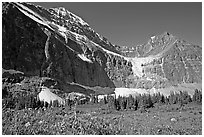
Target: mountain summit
57, 44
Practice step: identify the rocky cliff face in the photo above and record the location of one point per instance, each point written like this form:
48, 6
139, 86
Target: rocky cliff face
56, 43
38, 46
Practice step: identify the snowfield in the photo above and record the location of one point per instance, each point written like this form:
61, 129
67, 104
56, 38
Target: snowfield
11, 71
189, 87
125, 92
47, 96
137, 64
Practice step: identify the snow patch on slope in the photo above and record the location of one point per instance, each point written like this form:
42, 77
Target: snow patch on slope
109, 52
11, 71
84, 58
47, 96
137, 64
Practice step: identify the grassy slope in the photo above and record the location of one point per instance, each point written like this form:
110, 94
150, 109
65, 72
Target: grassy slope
97, 119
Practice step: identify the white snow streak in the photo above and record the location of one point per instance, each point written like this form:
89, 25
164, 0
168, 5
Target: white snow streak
30, 11
84, 58
109, 52
11, 71
26, 11
62, 31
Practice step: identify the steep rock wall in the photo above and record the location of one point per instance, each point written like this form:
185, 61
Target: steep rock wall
27, 47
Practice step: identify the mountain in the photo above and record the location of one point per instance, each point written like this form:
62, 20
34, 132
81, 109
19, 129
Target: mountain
56, 46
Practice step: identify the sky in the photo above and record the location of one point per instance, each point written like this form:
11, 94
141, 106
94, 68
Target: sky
133, 23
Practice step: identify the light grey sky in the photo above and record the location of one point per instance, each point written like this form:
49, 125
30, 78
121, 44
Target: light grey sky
132, 23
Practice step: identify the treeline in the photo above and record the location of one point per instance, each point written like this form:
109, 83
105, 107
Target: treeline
25, 100
147, 101
22, 101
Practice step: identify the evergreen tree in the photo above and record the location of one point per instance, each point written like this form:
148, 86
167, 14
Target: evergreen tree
149, 102
105, 100
38, 103
162, 99
32, 101
96, 99
119, 103
180, 99
200, 97
122, 102
174, 97
46, 105
154, 99
130, 102
166, 100
142, 101
56, 103
194, 95
111, 102
50, 105
135, 103
186, 97
171, 97
42, 104
177, 98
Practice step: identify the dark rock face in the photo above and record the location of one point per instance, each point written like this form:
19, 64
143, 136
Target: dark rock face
35, 50
24, 49
57, 44
22, 41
